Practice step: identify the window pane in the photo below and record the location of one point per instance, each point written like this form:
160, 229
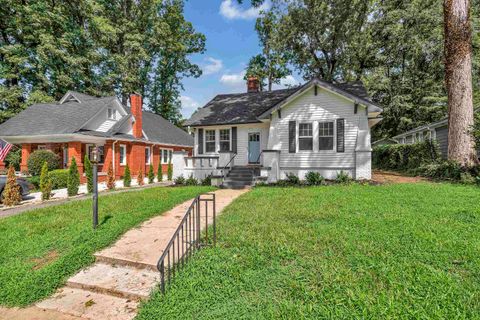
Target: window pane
305, 130
325, 143
305, 143
210, 146
224, 145
225, 134
209, 135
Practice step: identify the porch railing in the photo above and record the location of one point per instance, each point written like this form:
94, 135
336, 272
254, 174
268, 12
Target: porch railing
188, 238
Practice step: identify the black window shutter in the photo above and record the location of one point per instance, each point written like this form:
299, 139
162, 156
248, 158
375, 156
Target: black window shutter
340, 135
292, 136
200, 141
234, 139
356, 108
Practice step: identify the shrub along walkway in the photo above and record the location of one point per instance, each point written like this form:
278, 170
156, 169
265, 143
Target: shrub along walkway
124, 273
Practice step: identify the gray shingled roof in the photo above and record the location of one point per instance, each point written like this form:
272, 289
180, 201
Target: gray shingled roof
248, 107
70, 117
237, 108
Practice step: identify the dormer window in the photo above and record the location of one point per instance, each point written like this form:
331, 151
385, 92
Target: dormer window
111, 114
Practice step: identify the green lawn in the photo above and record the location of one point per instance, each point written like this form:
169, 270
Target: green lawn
336, 252
40, 249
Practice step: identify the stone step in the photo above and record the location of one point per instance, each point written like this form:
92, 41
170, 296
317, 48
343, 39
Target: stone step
90, 305
239, 179
120, 281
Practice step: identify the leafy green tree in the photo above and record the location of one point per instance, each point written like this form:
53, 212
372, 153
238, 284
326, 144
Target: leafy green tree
88, 173
45, 183
270, 66
151, 174
127, 178
73, 181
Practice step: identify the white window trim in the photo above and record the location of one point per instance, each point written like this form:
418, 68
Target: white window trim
124, 147
149, 160
298, 136
161, 155
215, 141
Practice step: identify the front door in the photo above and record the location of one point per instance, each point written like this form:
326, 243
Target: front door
254, 147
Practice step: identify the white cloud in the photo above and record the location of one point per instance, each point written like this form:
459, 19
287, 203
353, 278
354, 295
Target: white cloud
213, 66
286, 82
232, 11
233, 79
189, 105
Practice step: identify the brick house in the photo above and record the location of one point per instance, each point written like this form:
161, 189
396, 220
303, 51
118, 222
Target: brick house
77, 123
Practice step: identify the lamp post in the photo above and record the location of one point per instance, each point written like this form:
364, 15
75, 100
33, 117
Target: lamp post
95, 187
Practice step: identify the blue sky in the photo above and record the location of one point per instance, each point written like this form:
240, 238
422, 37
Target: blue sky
231, 41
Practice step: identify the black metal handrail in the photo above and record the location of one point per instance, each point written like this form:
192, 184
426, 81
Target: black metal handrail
228, 163
187, 239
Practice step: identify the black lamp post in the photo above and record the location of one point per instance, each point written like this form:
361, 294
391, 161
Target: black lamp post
95, 187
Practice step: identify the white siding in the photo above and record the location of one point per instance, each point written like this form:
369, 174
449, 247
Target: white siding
325, 106
242, 139
101, 122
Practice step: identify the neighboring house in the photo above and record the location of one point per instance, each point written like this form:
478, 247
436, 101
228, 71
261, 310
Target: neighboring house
437, 131
77, 123
318, 126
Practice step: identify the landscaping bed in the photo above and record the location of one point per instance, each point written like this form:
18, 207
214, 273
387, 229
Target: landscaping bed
343, 251
43, 247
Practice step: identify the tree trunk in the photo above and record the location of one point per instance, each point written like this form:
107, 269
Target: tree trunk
458, 78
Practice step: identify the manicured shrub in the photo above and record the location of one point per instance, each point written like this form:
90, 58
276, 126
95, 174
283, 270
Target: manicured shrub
403, 157
73, 181
292, 179
45, 183
448, 170
14, 158
159, 173
140, 177
207, 181
110, 178
88, 173
127, 178
11, 194
59, 178
191, 181
343, 178
180, 180
314, 178
170, 171
37, 159
34, 180
151, 174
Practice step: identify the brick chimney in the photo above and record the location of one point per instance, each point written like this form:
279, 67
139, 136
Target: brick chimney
253, 85
136, 109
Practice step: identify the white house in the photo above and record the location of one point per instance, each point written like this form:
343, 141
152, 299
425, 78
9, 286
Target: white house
319, 126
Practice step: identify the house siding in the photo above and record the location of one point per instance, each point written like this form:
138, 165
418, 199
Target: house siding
325, 106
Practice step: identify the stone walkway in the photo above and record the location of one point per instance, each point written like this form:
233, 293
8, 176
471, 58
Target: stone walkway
123, 275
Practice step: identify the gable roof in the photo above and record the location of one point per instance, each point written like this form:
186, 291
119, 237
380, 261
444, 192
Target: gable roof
71, 116
251, 107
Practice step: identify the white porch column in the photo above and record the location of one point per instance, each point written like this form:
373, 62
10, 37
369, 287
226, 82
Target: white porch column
178, 163
271, 161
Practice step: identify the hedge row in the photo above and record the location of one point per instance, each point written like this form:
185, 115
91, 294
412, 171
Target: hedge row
404, 157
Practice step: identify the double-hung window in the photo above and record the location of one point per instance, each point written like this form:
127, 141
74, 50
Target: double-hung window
225, 140
166, 156
325, 136
123, 154
111, 114
148, 155
305, 136
209, 140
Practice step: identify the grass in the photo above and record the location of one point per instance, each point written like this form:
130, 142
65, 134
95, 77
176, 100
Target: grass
336, 252
41, 248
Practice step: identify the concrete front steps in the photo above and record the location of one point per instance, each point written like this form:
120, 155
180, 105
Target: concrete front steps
126, 272
239, 178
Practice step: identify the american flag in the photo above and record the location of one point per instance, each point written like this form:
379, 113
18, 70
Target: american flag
4, 149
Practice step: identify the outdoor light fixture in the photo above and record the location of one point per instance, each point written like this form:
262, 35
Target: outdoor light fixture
95, 186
